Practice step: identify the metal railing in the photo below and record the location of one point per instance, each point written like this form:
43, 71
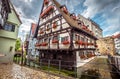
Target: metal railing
69, 67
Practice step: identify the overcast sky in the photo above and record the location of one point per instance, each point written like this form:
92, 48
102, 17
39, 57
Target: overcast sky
104, 12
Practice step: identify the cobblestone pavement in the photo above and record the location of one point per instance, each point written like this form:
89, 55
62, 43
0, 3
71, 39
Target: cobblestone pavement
17, 72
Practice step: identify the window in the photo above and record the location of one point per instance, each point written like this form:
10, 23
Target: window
45, 40
9, 27
82, 39
48, 26
76, 37
41, 29
55, 38
64, 39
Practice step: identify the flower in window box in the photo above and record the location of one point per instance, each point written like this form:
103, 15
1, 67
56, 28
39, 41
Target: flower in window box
41, 32
37, 45
96, 45
82, 56
80, 42
54, 25
47, 29
84, 27
76, 42
54, 41
46, 11
90, 31
91, 44
85, 43
87, 30
65, 42
88, 44
46, 2
44, 44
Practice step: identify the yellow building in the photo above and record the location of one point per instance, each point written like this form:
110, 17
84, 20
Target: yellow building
106, 46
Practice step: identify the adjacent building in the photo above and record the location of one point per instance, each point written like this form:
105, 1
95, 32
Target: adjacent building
106, 46
4, 11
117, 43
32, 53
62, 36
8, 32
94, 27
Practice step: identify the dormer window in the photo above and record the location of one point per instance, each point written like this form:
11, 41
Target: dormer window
64, 9
73, 16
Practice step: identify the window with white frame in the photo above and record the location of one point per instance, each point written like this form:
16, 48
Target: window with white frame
66, 38
9, 27
55, 38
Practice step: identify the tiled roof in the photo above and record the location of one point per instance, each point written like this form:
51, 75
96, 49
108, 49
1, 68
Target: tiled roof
67, 17
116, 36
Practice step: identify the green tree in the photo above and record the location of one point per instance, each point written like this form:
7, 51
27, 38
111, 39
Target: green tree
18, 44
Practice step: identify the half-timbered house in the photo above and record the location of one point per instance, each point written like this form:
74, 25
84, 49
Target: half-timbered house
61, 36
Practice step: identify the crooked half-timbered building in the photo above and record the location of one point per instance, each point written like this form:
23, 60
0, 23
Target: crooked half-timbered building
61, 36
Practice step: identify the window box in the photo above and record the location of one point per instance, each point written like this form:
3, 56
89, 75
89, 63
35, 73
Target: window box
79, 42
82, 56
44, 44
76, 42
37, 45
54, 25
46, 11
86, 44
54, 41
41, 32
96, 45
91, 44
84, 27
65, 42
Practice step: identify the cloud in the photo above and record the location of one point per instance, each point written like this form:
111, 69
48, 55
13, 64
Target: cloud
30, 8
29, 11
109, 10
24, 29
70, 4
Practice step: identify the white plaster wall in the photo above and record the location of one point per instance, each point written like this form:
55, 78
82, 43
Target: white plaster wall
65, 25
62, 46
78, 60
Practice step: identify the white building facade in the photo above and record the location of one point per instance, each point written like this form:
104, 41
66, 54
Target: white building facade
117, 43
94, 27
32, 41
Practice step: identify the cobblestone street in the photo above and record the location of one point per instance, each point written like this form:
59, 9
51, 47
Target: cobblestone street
17, 72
